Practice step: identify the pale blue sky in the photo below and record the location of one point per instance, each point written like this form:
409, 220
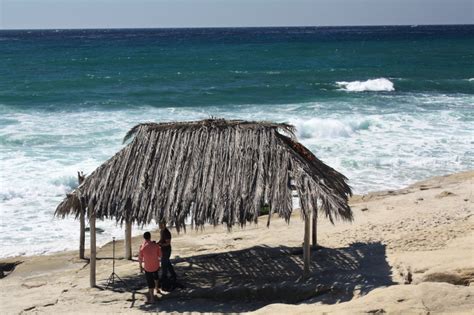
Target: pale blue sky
33, 14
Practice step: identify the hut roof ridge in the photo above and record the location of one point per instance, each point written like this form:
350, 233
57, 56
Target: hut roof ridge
210, 123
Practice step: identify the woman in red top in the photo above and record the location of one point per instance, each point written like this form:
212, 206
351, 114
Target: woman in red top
150, 254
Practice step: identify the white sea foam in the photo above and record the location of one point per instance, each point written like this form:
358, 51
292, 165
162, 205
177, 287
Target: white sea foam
317, 128
375, 85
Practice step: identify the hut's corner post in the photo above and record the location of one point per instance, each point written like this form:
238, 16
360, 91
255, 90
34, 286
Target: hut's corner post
314, 233
82, 220
306, 246
93, 245
128, 240
82, 233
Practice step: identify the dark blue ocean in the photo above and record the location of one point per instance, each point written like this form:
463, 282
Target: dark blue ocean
386, 106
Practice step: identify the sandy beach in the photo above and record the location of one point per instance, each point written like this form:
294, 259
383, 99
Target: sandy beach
407, 251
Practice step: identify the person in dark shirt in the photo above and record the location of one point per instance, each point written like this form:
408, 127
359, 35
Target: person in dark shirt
165, 243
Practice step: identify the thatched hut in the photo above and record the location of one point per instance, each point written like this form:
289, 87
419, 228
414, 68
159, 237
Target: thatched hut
212, 171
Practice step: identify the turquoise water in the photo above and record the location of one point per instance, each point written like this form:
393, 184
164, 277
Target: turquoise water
386, 106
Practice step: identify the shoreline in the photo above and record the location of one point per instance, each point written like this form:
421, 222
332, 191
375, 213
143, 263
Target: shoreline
356, 198
408, 251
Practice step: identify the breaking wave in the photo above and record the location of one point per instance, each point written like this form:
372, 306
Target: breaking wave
374, 85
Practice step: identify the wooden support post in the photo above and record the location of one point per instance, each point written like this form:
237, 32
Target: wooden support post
306, 247
82, 219
128, 240
93, 245
315, 229
82, 233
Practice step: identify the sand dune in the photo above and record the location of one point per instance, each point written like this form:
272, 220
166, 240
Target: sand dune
408, 251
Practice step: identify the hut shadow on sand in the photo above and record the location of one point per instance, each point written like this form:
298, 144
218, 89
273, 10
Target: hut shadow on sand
248, 279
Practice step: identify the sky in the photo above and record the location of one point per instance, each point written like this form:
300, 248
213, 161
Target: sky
60, 14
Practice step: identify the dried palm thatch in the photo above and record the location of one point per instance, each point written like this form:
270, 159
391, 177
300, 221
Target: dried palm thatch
213, 171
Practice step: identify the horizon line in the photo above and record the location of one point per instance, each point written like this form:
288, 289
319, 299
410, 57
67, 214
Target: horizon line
227, 27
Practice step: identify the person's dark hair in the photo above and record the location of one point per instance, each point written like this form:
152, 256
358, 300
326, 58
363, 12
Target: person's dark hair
147, 235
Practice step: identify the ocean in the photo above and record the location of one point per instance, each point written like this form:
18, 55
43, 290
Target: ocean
386, 106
